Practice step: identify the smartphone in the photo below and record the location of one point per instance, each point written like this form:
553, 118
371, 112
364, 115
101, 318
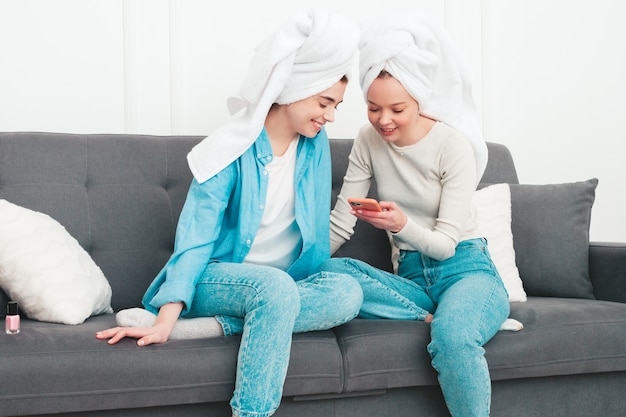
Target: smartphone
364, 203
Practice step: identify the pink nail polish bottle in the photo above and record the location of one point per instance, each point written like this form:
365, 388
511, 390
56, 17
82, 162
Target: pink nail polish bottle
12, 321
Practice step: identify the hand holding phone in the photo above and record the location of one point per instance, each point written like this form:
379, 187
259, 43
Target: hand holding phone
364, 203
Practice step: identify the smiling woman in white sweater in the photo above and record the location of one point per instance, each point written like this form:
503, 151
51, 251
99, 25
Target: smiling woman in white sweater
424, 149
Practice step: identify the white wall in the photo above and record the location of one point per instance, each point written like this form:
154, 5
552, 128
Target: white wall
548, 75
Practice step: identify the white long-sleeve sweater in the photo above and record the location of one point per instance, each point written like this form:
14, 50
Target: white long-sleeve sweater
432, 181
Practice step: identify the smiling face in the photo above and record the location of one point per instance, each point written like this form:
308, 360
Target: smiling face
393, 112
307, 116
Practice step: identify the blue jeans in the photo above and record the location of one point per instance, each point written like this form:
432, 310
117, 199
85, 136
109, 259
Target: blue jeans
265, 305
469, 302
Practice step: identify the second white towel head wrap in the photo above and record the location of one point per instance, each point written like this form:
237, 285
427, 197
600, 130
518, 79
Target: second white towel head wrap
416, 50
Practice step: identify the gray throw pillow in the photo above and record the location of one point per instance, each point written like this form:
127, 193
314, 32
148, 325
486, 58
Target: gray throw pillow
550, 225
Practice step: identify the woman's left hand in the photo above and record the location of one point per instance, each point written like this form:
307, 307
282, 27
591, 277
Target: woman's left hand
391, 218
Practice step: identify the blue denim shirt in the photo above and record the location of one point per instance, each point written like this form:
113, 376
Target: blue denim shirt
221, 217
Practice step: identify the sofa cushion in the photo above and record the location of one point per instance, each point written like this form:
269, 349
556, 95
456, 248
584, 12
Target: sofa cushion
561, 336
72, 371
550, 226
45, 269
118, 195
381, 354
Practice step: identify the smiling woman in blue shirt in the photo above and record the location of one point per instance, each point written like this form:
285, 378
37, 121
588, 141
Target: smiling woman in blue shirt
255, 227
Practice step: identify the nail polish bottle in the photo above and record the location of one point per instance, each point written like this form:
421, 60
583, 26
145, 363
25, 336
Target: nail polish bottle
12, 320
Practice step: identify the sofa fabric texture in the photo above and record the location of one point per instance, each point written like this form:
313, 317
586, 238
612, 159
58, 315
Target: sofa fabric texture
120, 197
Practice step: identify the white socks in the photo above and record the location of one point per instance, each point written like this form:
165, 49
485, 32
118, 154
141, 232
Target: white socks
195, 328
511, 325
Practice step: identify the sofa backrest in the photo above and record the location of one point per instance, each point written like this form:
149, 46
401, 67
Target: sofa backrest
120, 196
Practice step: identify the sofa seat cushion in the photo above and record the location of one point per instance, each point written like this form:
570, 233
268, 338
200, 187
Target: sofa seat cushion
50, 368
561, 336
381, 354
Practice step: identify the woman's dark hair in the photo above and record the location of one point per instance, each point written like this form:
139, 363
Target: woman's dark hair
384, 74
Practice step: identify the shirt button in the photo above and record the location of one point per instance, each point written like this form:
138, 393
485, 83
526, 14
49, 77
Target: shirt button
265, 172
269, 158
261, 206
248, 242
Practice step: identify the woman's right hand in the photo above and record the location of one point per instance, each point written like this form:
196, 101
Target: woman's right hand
158, 333
392, 218
145, 335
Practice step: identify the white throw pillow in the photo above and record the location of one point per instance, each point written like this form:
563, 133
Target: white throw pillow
46, 271
493, 216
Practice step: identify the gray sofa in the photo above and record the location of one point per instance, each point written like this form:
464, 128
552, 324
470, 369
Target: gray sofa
120, 196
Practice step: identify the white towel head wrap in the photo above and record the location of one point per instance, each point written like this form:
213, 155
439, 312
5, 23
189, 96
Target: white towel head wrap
307, 55
417, 51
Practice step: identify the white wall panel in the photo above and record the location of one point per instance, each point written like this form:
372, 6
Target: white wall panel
463, 20
555, 94
61, 65
147, 66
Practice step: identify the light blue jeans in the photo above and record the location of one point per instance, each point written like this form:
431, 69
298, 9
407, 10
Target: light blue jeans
469, 302
265, 305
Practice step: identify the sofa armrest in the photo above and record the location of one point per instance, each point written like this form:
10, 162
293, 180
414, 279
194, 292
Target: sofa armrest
607, 270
